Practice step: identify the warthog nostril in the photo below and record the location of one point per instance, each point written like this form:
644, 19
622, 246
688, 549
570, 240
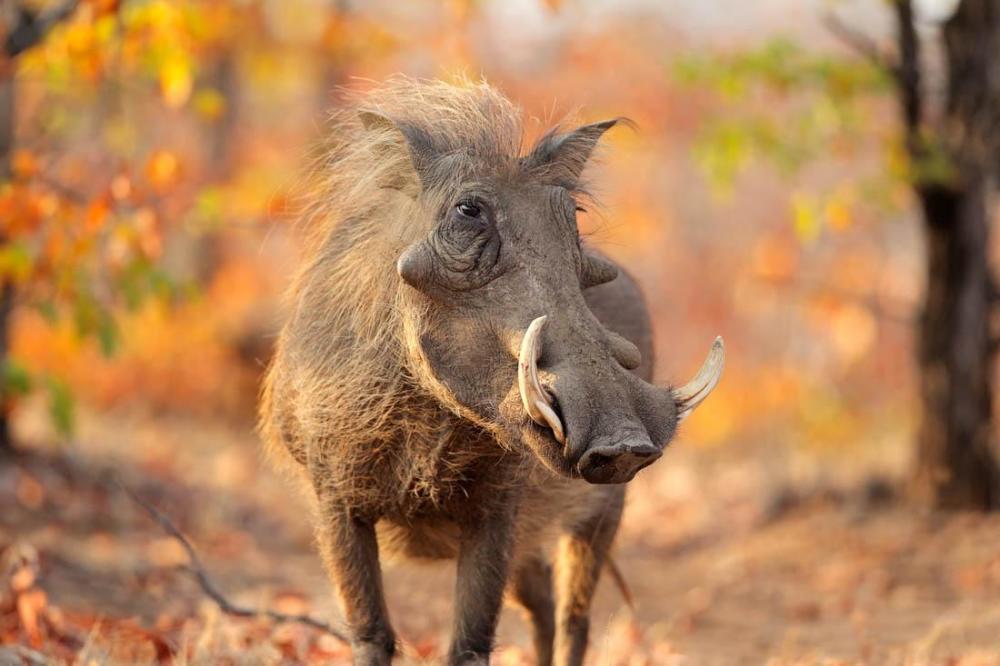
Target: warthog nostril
598, 460
616, 463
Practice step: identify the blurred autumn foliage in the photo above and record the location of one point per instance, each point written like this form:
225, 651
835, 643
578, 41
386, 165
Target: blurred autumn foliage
159, 144
152, 161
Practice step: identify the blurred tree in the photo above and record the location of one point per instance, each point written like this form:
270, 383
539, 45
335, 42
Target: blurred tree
955, 463
22, 29
84, 192
144, 140
951, 166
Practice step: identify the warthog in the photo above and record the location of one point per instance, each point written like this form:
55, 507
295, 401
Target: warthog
460, 377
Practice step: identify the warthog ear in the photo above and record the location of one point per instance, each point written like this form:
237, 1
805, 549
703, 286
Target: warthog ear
562, 156
420, 144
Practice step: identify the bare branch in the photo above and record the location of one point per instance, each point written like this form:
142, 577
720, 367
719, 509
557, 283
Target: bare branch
31, 29
860, 43
209, 587
904, 67
908, 75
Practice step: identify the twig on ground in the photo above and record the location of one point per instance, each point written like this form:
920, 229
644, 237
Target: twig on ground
209, 587
22, 655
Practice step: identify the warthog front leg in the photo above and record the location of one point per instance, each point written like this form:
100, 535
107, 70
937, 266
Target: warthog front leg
483, 562
350, 552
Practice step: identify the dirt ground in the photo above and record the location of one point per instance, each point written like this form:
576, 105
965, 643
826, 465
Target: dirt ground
728, 564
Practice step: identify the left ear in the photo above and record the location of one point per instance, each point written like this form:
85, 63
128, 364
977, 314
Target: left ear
421, 146
563, 156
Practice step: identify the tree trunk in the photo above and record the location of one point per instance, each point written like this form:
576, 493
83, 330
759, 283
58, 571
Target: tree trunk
955, 464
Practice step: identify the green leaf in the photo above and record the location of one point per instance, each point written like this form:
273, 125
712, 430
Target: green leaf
48, 310
107, 335
93, 319
723, 152
15, 377
62, 406
142, 280
789, 106
16, 261
209, 209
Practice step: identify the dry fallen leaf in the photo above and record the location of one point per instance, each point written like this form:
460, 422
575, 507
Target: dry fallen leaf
30, 605
30, 493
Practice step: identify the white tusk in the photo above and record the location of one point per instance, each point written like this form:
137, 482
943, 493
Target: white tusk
533, 396
691, 394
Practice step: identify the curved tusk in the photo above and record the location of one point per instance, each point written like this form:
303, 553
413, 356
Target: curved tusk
691, 394
533, 395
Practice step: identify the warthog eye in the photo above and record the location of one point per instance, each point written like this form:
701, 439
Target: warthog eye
469, 209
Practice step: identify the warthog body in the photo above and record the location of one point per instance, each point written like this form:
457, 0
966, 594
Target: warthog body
459, 376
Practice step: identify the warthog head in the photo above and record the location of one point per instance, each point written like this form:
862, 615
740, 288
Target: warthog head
497, 313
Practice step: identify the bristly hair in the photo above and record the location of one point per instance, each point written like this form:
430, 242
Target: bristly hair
465, 124
359, 160
342, 377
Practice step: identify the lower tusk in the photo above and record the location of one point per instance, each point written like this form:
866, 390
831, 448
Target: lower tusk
534, 397
695, 391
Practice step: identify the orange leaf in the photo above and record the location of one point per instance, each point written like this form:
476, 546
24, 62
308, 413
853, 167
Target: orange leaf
101, 7
23, 578
97, 213
163, 169
121, 187
29, 607
148, 232
24, 164
775, 258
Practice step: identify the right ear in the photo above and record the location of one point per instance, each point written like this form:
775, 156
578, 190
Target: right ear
420, 144
564, 155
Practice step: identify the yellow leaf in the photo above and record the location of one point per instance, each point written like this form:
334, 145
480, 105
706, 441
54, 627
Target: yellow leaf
175, 81
805, 218
209, 103
79, 37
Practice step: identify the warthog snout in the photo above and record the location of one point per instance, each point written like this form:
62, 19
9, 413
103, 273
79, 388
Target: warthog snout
610, 423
